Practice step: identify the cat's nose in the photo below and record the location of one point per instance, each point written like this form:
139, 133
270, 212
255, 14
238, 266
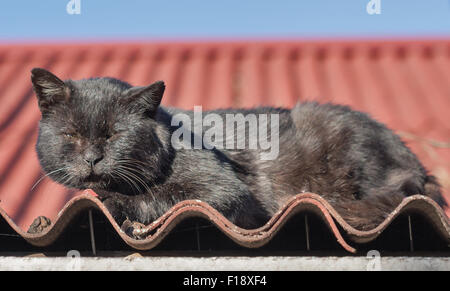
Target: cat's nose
92, 158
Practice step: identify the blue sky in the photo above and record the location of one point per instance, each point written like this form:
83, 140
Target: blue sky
24, 20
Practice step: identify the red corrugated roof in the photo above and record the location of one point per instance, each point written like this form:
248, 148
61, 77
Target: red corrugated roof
152, 235
403, 84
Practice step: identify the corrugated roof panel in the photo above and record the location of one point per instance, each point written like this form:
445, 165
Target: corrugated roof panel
168, 68
279, 78
152, 235
221, 83
251, 85
308, 76
193, 79
372, 90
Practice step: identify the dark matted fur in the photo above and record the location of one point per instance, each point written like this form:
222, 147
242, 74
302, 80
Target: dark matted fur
97, 131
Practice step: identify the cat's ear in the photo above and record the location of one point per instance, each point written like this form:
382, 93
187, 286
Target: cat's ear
49, 88
145, 99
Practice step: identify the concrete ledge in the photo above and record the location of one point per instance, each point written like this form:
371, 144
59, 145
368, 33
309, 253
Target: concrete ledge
240, 263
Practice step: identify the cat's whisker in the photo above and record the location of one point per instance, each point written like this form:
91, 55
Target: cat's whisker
127, 179
67, 178
46, 175
135, 176
136, 169
117, 175
139, 181
133, 166
62, 181
132, 160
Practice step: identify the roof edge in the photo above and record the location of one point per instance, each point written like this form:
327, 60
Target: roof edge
155, 232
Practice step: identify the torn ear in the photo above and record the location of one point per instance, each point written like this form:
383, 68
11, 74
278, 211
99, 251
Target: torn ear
145, 99
49, 88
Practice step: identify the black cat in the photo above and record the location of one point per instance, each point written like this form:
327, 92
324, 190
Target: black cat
116, 139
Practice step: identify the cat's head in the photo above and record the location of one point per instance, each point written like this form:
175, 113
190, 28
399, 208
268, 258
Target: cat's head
98, 133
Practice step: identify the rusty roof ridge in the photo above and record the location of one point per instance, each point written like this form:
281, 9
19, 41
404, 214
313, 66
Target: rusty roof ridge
414, 203
156, 231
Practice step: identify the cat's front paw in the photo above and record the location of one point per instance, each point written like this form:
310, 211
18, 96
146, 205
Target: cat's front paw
39, 224
134, 229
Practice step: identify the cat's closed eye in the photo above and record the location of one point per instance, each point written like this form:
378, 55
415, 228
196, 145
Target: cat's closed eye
69, 135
